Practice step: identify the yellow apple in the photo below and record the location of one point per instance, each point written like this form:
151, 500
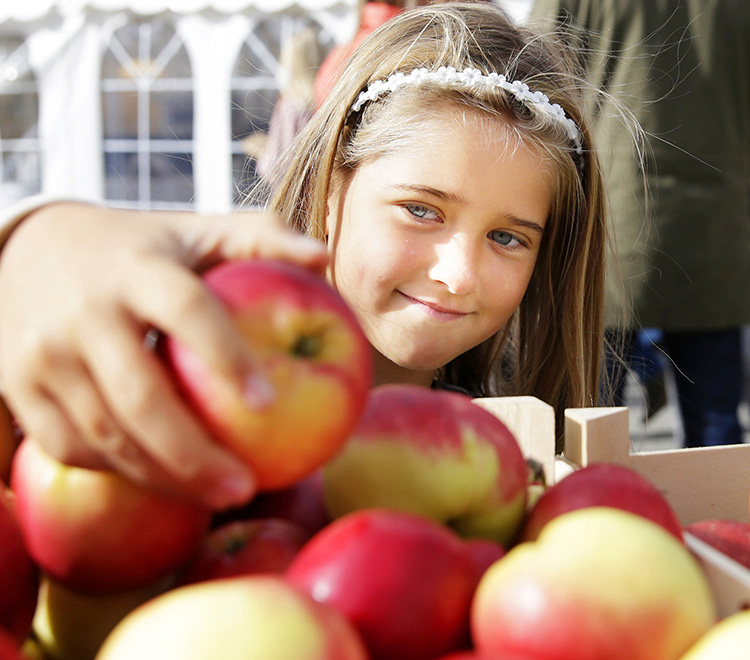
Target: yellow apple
434, 453
599, 583
258, 617
729, 639
69, 625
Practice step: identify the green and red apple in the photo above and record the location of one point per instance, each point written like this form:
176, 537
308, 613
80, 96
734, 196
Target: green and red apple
95, 531
258, 617
602, 484
434, 453
404, 581
311, 347
599, 583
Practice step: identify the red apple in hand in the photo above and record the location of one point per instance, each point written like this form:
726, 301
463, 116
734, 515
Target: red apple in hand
602, 484
433, 453
310, 345
244, 547
254, 617
732, 537
96, 532
404, 581
19, 582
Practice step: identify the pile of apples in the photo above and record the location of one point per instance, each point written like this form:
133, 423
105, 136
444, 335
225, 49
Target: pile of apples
393, 523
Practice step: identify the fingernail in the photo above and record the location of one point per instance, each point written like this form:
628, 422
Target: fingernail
233, 490
258, 391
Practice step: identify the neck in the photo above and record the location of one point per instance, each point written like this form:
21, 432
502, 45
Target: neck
387, 372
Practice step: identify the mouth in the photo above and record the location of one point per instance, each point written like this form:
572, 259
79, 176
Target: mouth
435, 309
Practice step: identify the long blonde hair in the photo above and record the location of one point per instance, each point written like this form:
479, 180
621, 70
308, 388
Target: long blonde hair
552, 346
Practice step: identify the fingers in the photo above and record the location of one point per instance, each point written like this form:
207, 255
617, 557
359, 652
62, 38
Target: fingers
41, 417
249, 234
163, 441
165, 294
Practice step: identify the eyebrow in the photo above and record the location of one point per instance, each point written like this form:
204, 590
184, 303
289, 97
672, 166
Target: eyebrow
453, 197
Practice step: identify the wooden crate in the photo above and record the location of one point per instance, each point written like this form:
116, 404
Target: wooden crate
709, 482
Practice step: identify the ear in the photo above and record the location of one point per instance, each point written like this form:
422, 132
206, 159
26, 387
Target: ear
333, 207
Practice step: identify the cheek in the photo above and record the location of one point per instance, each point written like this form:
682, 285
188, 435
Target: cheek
505, 288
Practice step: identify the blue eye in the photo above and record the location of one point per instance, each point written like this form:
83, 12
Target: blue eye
421, 212
504, 238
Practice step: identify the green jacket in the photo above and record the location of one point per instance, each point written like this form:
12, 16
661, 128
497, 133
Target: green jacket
682, 67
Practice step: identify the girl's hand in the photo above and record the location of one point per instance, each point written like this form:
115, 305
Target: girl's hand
80, 288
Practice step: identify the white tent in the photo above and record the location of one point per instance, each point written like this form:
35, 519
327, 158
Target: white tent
71, 71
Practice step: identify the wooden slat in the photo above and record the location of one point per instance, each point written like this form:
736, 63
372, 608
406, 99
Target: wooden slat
532, 422
707, 482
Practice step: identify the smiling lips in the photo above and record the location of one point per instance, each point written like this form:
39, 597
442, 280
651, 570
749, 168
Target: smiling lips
436, 310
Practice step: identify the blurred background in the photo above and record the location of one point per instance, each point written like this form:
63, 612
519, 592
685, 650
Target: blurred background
148, 104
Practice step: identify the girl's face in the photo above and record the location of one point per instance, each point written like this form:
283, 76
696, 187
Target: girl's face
433, 244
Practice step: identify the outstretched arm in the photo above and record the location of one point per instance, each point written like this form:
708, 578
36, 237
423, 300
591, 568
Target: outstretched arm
80, 288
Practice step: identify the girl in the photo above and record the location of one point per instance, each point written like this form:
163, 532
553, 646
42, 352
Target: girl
450, 185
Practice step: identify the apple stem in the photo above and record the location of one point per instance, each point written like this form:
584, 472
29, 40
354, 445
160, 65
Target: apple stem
307, 346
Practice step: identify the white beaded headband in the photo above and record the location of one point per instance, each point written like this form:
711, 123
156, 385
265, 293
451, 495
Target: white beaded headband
471, 78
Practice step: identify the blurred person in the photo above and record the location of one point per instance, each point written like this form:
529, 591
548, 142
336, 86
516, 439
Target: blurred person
299, 61
683, 231
372, 14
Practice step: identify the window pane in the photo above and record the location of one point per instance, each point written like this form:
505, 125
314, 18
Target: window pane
120, 115
20, 155
121, 176
171, 115
171, 177
19, 112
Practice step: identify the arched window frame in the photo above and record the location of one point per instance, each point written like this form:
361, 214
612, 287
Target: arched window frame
139, 151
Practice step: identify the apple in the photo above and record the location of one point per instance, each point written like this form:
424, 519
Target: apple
260, 617
473, 655
19, 580
310, 345
728, 639
244, 547
302, 503
404, 581
9, 647
599, 583
8, 441
434, 453
69, 625
95, 531
484, 553
602, 484
732, 537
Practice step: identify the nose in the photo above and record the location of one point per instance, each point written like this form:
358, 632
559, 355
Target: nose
456, 265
